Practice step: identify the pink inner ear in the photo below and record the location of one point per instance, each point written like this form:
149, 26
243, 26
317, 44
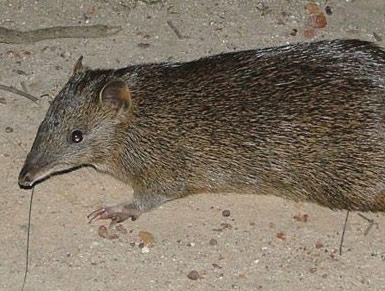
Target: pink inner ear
116, 95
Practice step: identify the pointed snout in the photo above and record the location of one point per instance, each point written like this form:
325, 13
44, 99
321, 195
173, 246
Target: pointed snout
26, 177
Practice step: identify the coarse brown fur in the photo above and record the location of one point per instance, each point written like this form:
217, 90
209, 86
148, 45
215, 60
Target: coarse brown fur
304, 122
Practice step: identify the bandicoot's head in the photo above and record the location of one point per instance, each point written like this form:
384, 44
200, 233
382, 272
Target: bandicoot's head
79, 125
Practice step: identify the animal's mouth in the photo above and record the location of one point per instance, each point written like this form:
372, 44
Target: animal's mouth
31, 175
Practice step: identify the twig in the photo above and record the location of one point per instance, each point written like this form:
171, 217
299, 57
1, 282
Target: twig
19, 92
370, 225
343, 232
175, 29
22, 37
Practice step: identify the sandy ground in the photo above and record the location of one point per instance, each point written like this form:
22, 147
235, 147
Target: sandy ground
265, 244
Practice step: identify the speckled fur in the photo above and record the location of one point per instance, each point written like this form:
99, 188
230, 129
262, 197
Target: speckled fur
304, 122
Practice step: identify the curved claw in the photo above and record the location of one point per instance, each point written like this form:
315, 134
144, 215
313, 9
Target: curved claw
116, 215
97, 214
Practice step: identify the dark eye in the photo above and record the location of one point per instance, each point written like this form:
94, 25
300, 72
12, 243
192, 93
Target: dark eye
76, 136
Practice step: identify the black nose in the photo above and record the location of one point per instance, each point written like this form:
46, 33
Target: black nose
25, 178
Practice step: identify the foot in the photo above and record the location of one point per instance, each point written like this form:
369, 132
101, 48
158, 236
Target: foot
116, 213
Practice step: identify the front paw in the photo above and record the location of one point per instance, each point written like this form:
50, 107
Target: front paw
115, 213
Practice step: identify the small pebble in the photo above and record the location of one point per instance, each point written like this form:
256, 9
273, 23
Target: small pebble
226, 213
281, 235
319, 244
147, 238
106, 232
21, 72
143, 45
65, 55
8, 129
301, 217
213, 242
328, 10
226, 225
294, 32
193, 275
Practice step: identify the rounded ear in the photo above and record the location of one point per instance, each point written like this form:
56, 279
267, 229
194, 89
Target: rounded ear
115, 95
78, 68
